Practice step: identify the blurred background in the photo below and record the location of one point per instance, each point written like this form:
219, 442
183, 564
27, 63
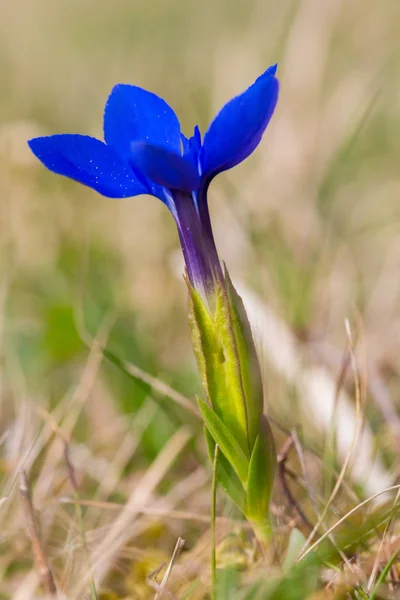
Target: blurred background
310, 224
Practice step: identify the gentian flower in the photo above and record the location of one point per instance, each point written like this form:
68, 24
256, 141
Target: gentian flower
144, 152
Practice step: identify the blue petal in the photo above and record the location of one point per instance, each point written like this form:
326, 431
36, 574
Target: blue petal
185, 144
191, 147
238, 128
195, 140
133, 114
193, 144
164, 167
88, 161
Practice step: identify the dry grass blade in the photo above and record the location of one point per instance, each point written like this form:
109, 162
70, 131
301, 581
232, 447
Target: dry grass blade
376, 385
317, 390
386, 534
357, 426
161, 513
121, 530
346, 516
155, 384
311, 495
282, 459
132, 370
79, 518
3, 298
162, 591
32, 526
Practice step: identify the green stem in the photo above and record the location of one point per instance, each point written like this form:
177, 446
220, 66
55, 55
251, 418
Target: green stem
213, 521
263, 532
384, 573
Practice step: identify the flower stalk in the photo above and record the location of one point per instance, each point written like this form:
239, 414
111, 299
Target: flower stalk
233, 408
198, 246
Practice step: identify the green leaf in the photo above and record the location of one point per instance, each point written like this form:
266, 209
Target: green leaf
227, 477
228, 583
262, 469
227, 443
296, 543
232, 405
219, 374
250, 373
205, 343
300, 583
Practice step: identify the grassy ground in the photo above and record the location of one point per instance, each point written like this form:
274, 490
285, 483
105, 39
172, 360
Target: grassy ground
111, 445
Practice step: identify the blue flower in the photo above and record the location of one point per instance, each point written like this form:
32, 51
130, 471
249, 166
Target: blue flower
144, 152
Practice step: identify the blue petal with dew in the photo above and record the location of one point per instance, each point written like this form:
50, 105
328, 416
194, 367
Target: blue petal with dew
134, 114
145, 151
88, 161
